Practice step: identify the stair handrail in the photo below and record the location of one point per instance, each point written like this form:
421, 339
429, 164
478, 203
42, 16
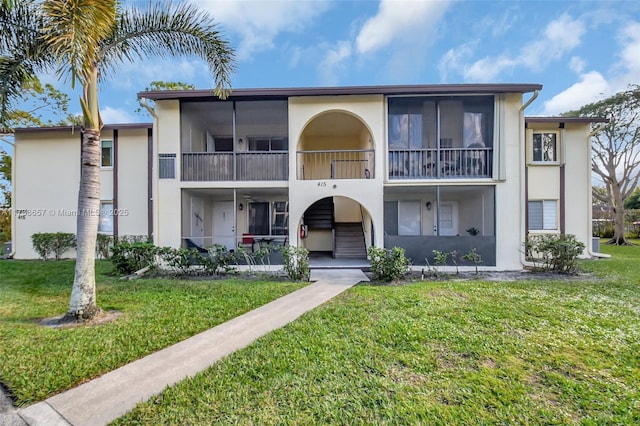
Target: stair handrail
362, 225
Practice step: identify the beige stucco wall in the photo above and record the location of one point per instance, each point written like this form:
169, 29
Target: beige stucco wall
132, 181
47, 174
544, 182
578, 183
510, 191
167, 203
370, 110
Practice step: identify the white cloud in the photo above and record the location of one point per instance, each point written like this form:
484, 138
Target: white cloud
629, 55
487, 69
455, 59
577, 64
591, 87
559, 37
333, 61
258, 23
399, 20
116, 116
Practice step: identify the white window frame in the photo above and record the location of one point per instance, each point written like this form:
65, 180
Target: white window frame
556, 147
102, 147
549, 216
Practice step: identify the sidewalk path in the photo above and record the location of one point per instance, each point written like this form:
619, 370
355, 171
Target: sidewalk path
112, 395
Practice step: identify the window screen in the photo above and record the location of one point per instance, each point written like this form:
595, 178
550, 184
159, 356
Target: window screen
167, 166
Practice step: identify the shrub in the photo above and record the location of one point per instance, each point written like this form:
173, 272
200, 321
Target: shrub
220, 259
180, 261
47, 244
104, 243
388, 264
296, 263
555, 253
131, 257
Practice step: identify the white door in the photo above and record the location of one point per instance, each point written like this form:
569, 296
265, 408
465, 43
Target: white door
197, 221
224, 227
448, 218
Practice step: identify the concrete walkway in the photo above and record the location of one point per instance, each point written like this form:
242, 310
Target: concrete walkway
112, 395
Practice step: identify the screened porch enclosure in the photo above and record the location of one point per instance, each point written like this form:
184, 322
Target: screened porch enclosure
251, 218
459, 218
234, 141
440, 137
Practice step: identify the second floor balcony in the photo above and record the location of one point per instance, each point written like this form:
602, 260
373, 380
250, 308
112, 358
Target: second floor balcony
235, 166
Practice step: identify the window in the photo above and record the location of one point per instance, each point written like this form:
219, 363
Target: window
167, 166
106, 217
269, 218
106, 154
268, 143
545, 147
280, 218
543, 215
402, 218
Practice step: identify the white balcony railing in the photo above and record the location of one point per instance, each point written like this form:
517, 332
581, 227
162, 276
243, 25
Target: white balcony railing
229, 166
440, 163
353, 164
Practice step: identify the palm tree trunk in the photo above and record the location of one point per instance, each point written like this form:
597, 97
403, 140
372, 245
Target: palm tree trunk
83, 294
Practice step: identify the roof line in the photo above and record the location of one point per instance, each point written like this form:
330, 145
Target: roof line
283, 93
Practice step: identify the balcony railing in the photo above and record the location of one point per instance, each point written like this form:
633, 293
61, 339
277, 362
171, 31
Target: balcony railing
440, 163
354, 164
229, 166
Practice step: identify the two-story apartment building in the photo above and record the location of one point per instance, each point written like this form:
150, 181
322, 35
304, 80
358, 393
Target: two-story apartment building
335, 169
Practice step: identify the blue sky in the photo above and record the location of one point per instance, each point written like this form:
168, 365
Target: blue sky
580, 51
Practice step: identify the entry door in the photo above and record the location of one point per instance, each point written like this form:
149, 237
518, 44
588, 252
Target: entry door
448, 218
224, 227
197, 221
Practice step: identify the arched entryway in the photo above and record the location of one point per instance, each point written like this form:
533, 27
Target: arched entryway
337, 227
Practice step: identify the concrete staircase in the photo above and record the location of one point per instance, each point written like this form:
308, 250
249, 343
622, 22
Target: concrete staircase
320, 214
349, 242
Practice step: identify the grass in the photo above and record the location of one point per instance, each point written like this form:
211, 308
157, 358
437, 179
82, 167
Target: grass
563, 351
37, 362
448, 352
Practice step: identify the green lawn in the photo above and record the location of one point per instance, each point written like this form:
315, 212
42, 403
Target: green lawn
453, 352
449, 352
37, 362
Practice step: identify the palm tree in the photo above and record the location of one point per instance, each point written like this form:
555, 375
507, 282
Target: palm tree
86, 40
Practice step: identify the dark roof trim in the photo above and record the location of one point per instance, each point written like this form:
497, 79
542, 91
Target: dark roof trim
566, 120
284, 93
77, 128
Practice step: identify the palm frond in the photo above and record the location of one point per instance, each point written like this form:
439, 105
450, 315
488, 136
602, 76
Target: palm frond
167, 30
74, 30
22, 53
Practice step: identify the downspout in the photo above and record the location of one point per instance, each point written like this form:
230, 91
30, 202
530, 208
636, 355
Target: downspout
523, 146
590, 251
154, 195
13, 199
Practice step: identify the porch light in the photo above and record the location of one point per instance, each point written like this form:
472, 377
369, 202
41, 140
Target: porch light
428, 205
240, 141
240, 207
